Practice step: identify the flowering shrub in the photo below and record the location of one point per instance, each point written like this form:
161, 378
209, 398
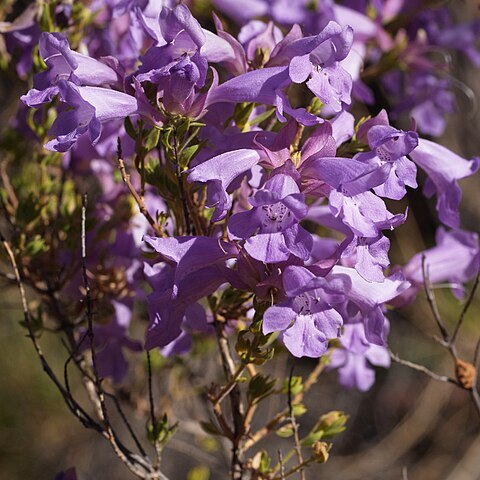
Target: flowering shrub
240, 185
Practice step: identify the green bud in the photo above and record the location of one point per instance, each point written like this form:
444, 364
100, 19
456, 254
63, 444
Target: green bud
285, 432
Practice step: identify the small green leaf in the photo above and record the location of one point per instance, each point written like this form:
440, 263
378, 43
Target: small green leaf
160, 431
35, 246
242, 113
259, 386
130, 129
299, 409
285, 432
151, 140
188, 154
210, 428
295, 385
333, 423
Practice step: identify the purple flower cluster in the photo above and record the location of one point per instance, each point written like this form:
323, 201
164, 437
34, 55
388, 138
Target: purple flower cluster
296, 214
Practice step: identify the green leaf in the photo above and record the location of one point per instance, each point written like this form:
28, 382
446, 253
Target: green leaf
130, 129
182, 129
152, 139
295, 385
265, 461
35, 246
188, 154
311, 438
260, 386
210, 428
242, 113
333, 423
299, 409
262, 117
261, 462
285, 432
160, 431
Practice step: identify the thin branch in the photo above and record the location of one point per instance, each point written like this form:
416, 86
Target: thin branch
296, 468
474, 392
465, 308
138, 199
183, 197
73, 406
281, 416
78, 362
126, 422
433, 304
282, 466
423, 369
235, 401
88, 301
226, 389
293, 421
156, 443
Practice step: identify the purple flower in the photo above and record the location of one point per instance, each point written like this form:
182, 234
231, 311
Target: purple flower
21, 36
355, 358
370, 256
194, 321
365, 214
306, 319
389, 147
366, 300
271, 228
191, 254
259, 39
262, 86
170, 313
194, 267
88, 108
443, 168
66, 64
455, 259
316, 61
219, 173
110, 340
427, 98
178, 65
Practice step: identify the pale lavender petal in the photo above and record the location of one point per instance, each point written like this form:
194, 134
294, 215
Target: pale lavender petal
277, 319
303, 339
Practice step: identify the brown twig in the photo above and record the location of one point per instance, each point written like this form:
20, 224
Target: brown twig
293, 421
282, 466
466, 373
297, 468
465, 308
73, 406
138, 199
281, 416
423, 369
434, 308
156, 443
235, 401
89, 313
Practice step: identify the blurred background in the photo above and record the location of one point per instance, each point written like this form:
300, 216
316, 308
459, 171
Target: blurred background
406, 427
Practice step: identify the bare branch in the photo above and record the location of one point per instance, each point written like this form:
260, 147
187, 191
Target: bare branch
465, 308
139, 200
433, 303
293, 421
423, 369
